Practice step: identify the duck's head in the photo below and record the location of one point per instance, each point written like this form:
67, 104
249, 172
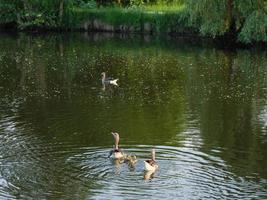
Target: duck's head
103, 74
115, 135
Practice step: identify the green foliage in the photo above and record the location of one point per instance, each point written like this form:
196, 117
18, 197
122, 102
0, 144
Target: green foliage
88, 4
39, 14
255, 28
245, 18
31, 13
208, 16
9, 10
137, 2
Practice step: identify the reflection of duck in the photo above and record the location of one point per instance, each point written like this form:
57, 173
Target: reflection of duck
117, 163
116, 152
106, 80
149, 175
151, 165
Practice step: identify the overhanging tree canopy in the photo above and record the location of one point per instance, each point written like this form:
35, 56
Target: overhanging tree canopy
246, 18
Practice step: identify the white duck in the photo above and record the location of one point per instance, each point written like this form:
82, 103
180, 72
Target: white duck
110, 81
150, 164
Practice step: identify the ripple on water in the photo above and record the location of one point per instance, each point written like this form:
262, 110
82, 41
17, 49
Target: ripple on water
183, 173
31, 163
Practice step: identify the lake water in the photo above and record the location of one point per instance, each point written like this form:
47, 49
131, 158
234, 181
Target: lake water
204, 111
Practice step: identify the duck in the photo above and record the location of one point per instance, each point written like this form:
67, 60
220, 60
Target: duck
108, 80
151, 164
116, 153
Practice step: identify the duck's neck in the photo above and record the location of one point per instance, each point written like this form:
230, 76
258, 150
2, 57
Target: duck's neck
103, 77
116, 143
153, 155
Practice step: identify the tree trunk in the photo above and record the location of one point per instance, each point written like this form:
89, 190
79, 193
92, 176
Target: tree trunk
119, 2
229, 14
230, 35
61, 9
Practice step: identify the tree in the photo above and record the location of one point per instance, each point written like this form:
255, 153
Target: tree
246, 19
9, 10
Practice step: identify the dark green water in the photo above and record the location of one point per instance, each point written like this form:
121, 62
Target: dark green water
204, 110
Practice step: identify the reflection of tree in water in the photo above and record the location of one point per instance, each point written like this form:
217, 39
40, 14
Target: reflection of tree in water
224, 103
148, 102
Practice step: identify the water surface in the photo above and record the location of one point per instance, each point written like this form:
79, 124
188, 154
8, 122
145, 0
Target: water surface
204, 110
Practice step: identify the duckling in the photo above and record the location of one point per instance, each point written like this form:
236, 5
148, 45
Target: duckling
110, 81
151, 165
116, 153
131, 160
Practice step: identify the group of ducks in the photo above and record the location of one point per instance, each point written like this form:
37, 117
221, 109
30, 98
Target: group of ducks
116, 153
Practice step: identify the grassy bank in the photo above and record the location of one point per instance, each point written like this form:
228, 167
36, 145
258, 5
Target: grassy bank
149, 19
223, 20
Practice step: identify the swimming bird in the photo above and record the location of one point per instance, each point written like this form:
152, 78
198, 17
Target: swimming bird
108, 80
116, 152
151, 165
130, 159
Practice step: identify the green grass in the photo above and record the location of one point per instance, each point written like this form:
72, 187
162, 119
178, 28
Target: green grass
111, 15
160, 17
164, 8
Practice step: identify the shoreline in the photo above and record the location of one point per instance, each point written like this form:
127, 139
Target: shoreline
194, 38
